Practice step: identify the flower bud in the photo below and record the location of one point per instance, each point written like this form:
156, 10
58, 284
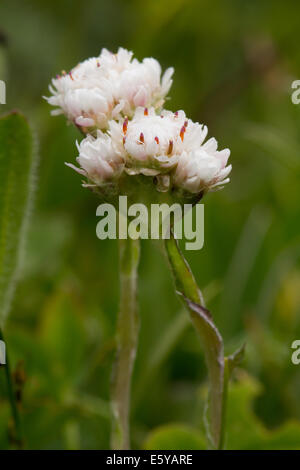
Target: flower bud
99, 160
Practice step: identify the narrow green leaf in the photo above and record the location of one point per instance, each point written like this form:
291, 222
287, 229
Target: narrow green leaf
212, 342
17, 165
214, 354
183, 276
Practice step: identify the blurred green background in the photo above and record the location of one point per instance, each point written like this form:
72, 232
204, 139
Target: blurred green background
234, 64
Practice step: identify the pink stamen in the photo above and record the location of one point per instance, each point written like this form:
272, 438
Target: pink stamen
125, 125
182, 131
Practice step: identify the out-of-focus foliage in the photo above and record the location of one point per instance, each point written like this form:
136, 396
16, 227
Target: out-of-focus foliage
175, 437
245, 430
234, 64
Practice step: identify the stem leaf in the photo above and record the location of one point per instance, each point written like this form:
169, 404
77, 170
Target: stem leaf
212, 342
183, 276
214, 354
17, 165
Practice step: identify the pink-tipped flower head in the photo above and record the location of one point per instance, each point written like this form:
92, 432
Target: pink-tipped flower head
108, 87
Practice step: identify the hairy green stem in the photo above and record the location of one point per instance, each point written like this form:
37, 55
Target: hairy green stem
17, 435
224, 403
126, 341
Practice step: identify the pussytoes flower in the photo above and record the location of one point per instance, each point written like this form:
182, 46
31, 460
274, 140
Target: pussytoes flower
149, 142
99, 160
107, 87
117, 101
168, 146
202, 168
171, 147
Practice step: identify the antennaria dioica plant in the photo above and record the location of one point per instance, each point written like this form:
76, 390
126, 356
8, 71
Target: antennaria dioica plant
135, 147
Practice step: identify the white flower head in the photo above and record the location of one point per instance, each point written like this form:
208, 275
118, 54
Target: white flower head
123, 97
108, 87
168, 146
152, 143
171, 147
99, 160
202, 168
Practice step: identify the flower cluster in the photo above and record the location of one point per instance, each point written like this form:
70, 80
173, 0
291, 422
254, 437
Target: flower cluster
108, 87
117, 102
